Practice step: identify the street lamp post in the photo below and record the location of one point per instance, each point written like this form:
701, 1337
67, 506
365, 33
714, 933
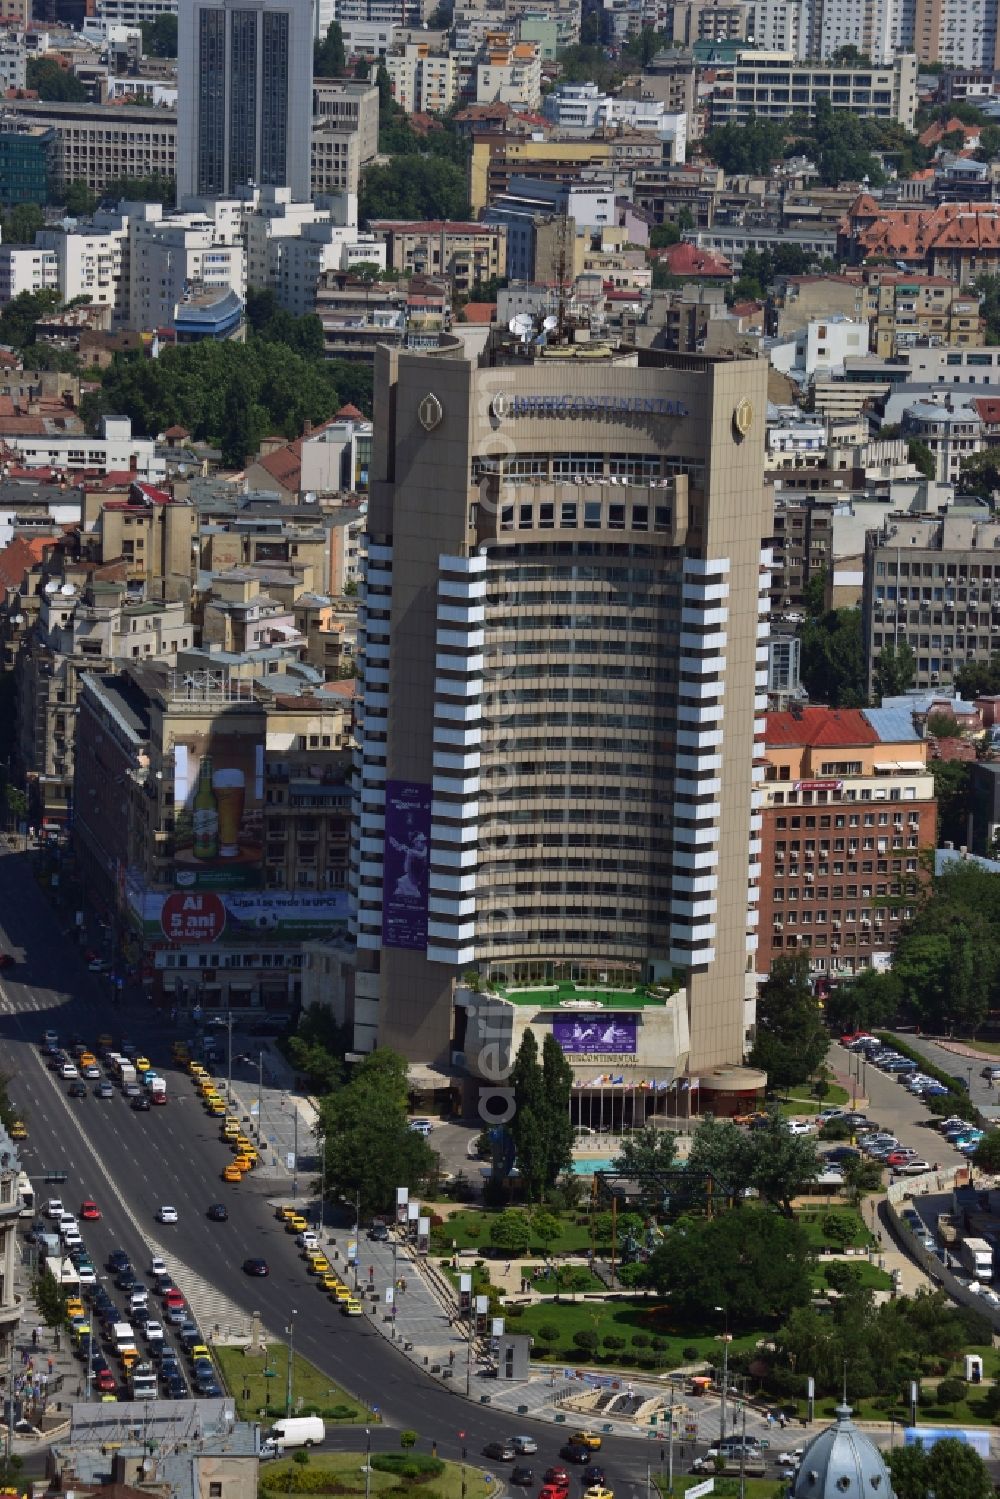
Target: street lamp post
322, 1182
725, 1372
295, 1150
368, 1462
228, 1022
357, 1239
260, 1096
291, 1360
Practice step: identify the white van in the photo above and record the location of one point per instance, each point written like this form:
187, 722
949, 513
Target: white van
298, 1431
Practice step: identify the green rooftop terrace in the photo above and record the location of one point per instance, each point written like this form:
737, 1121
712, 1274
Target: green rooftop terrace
572, 995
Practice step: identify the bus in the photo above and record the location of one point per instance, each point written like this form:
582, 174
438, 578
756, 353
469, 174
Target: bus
26, 1196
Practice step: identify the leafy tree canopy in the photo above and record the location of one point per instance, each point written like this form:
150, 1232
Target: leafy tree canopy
791, 1038
895, 669
754, 1263
833, 659
950, 1470
54, 83
414, 187
329, 56
155, 189
370, 1148
159, 36
953, 791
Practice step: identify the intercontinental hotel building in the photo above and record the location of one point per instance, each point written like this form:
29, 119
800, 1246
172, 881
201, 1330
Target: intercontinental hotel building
563, 649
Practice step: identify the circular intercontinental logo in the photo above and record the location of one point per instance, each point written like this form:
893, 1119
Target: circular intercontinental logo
743, 417
430, 412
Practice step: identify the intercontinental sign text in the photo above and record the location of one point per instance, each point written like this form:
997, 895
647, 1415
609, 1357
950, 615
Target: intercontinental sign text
567, 405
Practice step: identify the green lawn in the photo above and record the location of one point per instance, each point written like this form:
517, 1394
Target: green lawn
255, 1391
812, 1220
470, 1229
869, 1275
549, 1284
622, 1317
346, 1470
966, 1413
725, 1488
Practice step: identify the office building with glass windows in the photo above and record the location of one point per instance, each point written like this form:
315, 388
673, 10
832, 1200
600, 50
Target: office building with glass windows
563, 650
245, 96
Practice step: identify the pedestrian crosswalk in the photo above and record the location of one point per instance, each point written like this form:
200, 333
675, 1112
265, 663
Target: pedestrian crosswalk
216, 1314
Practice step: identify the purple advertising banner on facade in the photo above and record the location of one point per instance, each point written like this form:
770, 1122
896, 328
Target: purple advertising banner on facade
406, 853
596, 1032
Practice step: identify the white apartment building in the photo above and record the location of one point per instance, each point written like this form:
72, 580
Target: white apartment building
152, 92
134, 12
89, 262
13, 60
508, 72
423, 81
171, 257
872, 26
298, 262
115, 451
777, 26
368, 38
776, 85
26, 268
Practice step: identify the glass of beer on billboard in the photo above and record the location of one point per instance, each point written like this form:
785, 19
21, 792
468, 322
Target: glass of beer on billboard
230, 787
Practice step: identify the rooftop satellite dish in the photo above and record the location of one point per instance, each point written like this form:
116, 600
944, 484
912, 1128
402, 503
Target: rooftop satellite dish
51, 586
67, 589
550, 322
521, 326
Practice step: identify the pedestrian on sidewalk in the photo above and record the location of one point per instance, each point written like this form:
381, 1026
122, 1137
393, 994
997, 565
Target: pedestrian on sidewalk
51, 1366
34, 1337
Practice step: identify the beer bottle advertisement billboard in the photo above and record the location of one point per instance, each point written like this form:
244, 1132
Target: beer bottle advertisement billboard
218, 812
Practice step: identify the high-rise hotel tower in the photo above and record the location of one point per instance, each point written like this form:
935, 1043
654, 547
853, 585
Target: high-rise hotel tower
563, 652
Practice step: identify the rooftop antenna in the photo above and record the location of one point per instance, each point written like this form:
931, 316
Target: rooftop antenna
520, 325
562, 240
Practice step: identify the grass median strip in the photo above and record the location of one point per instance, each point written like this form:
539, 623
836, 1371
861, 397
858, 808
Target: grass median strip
344, 1473
259, 1382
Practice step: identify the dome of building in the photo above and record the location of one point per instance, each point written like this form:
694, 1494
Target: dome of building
841, 1463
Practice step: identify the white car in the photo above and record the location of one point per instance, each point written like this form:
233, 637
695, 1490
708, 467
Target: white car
914, 1167
800, 1127
157, 1266
67, 1220
307, 1239
87, 1275
421, 1126
153, 1333
71, 1238
69, 1070
166, 1214
54, 1208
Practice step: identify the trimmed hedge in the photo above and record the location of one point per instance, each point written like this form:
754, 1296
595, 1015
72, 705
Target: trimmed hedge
956, 1095
412, 1465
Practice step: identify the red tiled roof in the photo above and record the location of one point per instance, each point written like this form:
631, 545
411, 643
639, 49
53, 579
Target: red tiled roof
177, 432
284, 465
349, 413
688, 260
480, 313
343, 687
819, 727
20, 556
912, 233
989, 409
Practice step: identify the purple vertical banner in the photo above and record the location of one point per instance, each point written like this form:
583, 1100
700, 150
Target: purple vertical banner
405, 855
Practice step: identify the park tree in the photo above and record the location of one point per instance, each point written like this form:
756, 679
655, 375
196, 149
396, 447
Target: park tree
950, 1470
510, 1232
922, 458
414, 187
979, 678
980, 472
833, 659
781, 1164
870, 1000
527, 1127
329, 55
953, 793
987, 1153
943, 725
81, 199
754, 1263
895, 669
650, 1156
18, 319
557, 1083
791, 1040
369, 1147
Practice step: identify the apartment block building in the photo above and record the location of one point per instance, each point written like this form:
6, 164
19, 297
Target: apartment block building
423, 81
468, 253
146, 529
594, 518
504, 71
349, 105
935, 583
220, 922
98, 145
776, 86
848, 808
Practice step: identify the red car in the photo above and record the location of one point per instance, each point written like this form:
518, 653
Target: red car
900, 1157
90, 1211
157, 1098
106, 1381
556, 1478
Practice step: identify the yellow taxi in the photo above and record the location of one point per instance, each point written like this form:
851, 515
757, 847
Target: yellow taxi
250, 1151
211, 1095
296, 1224
243, 1162
195, 1068
341, 1293
74, 1307
109, 1399
87, 1059
207, 1084
142, 1064
352, 1308
285, 1214
129, 1356
586, 1438
319, 1266
244, 1142
19, 1130
216, 1107
232, 1173
199, 1350
598, 1491
329, 1283
230, 1129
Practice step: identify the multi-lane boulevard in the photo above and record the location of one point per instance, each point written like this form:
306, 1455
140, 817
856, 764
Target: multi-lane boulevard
131, 1163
